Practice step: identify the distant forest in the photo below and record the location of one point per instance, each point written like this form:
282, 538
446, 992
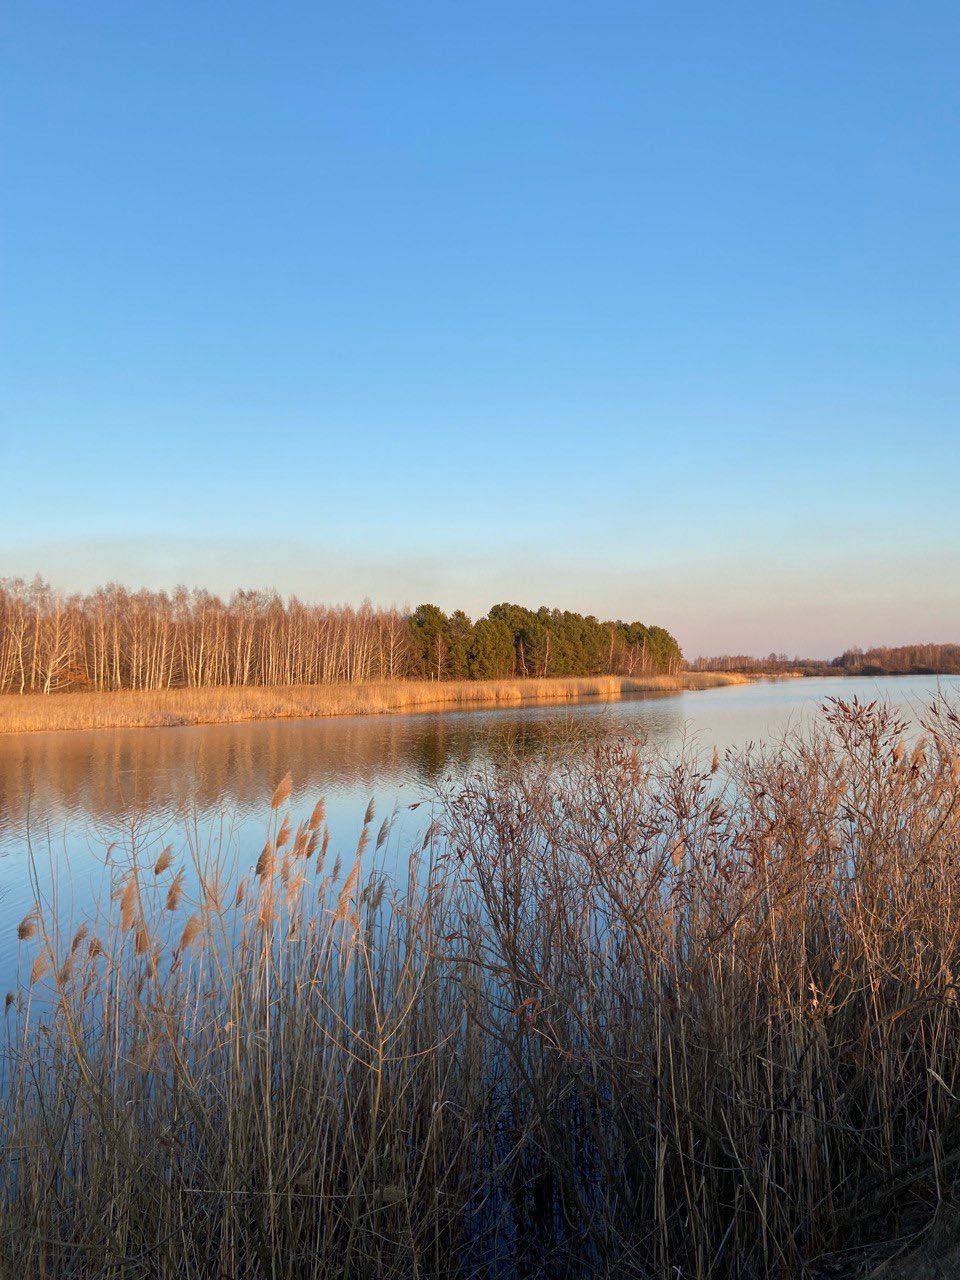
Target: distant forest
906, 660
113, 638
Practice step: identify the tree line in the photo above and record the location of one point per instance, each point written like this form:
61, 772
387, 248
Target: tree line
902, 660
113, 638
907, 659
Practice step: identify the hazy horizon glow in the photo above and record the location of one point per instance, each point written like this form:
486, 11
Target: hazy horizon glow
805, 610
639, 311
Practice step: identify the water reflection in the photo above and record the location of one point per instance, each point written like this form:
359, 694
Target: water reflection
76, 792
104, 775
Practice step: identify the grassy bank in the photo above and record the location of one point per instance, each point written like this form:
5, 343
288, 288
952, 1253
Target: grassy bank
226, 704
626, 1018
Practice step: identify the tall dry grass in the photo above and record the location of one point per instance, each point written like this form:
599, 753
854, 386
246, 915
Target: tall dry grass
30, 713
625, 1017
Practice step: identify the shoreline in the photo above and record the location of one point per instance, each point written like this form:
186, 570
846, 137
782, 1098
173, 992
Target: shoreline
226, 704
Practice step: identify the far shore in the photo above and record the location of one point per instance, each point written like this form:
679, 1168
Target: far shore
135, 709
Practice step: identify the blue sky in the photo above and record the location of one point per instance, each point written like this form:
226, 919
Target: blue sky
650, 310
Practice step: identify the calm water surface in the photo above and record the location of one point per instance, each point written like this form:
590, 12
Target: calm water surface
65, 798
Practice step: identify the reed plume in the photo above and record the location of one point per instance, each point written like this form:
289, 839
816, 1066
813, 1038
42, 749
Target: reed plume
27, 928
40, 966
191, 931
345, 901
282, 792
317, 816
266, 862
175, 892
130, 903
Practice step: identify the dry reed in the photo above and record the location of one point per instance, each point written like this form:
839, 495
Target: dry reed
627, 1017
30, 713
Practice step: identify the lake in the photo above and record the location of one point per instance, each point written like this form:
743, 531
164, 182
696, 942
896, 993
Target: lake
66, 798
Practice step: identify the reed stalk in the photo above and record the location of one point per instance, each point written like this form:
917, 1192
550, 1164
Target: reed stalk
626, 1016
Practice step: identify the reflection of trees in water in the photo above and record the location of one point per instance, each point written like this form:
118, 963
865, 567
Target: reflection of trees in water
108, 774
105, 775
450, 748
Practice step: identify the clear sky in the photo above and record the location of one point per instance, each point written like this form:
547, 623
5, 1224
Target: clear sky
647, 310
